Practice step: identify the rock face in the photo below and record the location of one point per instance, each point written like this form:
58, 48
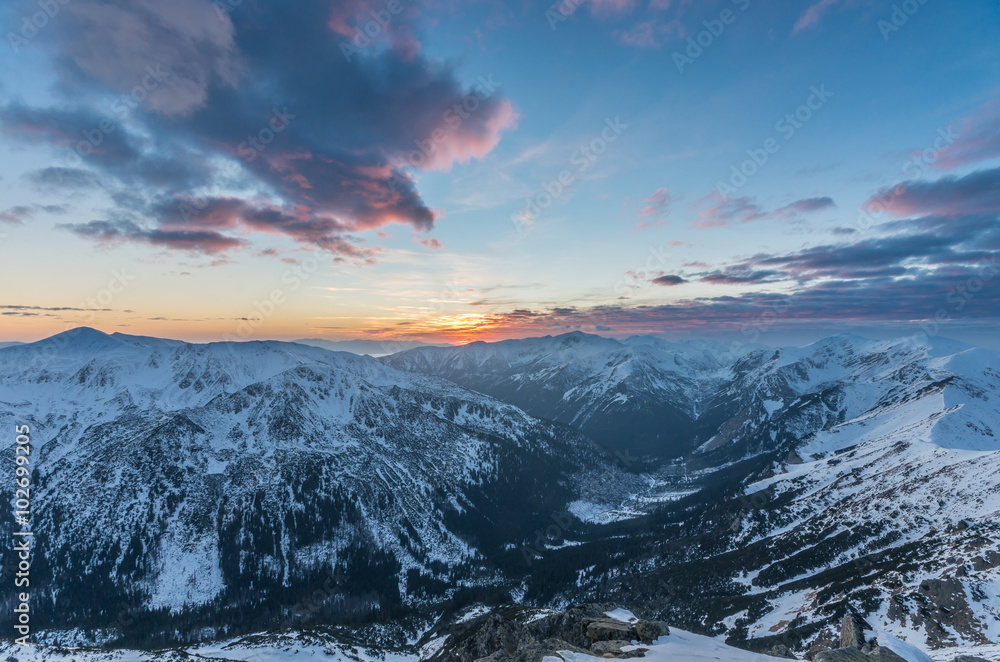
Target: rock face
852, 631
521, 634
850, 654
854, 648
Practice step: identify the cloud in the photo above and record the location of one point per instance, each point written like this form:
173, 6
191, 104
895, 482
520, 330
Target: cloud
189, 43
652, 33
656, 204
974, 193
722, 211
978, 139
62, 178
811, 17
741, 275
124, 230
668, 280
805, 206
946, 292
298, 129
611, 7
19, 213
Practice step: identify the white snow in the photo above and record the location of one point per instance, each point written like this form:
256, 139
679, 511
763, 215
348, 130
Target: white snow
623, 615
680, 646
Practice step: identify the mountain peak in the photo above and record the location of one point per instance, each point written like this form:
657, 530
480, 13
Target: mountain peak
82, 337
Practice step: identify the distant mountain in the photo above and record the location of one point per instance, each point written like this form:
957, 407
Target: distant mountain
10, 344
362, 346
643, 395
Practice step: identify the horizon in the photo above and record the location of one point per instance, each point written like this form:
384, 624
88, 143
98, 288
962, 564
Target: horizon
914, 337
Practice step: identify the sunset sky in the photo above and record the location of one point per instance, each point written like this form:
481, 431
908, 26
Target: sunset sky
773, 171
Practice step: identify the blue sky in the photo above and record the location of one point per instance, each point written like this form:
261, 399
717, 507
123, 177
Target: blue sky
262, 173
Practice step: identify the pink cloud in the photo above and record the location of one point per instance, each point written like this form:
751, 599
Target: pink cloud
656, 203
473, 138
977, 138
811, 17
612, 6
652, 33
348, 18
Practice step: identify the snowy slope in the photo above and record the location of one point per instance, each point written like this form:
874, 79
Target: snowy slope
642, 395
171, 475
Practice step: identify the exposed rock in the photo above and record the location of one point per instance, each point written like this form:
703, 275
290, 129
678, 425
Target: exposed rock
883, 654
969, 658
781, 650
988, 561
851, 654
608, 629
649, 631
521, 634
852, 631
610, 646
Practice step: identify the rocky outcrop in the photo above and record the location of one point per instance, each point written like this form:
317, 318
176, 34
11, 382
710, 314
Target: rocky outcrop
523, 634
853, 645
852, 631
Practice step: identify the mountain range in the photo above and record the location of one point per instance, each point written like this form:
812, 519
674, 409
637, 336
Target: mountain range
187, 492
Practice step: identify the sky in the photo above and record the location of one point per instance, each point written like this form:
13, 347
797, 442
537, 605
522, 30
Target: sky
454, 171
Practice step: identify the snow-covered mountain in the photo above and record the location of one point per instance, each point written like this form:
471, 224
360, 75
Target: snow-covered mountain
643, 394
872, 482
365, 346
206, 485
225, 476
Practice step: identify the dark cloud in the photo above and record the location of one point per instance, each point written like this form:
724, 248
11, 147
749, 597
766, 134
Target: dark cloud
741, 275
967, 293
806, 205
124, 230
58, 309
668, 279
56, 177
720, 211
324, 140
975, 193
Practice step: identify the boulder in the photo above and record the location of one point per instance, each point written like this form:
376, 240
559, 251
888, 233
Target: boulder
781, 650
608, 629
609, 646
649, 631
850, 654
969, 658
883, 654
